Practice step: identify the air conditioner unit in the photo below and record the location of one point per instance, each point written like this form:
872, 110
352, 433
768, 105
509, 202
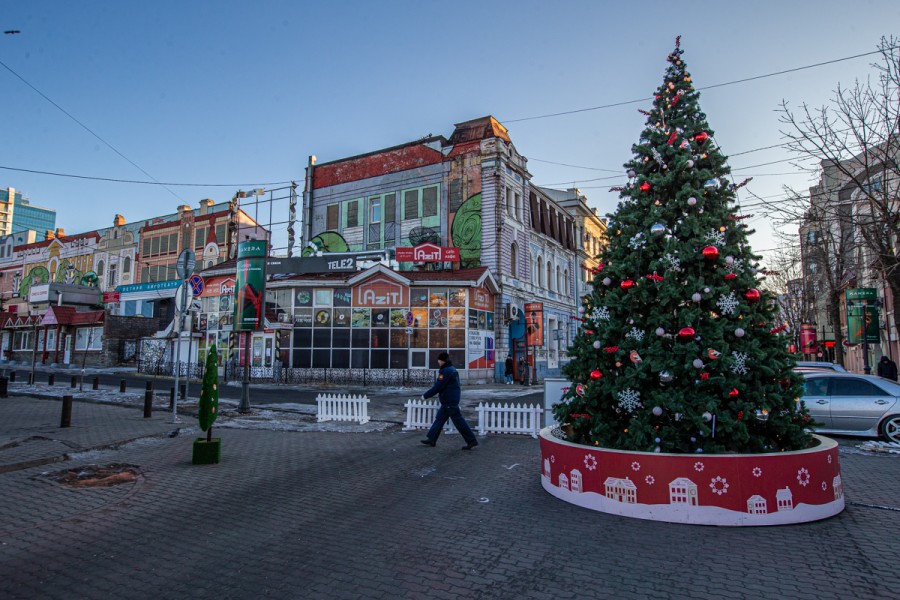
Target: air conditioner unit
513, 312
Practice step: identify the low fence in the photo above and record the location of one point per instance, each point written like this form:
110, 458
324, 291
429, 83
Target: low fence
492, 418
167, 369
342, 407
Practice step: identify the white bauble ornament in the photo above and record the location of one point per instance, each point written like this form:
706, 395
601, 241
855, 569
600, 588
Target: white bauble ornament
607, 281
698, 363
705, 290
707, 416
692, 201
631, 174
580, 310
657, 411
690, 164
739, 332
597, 345
729, 260
696, 297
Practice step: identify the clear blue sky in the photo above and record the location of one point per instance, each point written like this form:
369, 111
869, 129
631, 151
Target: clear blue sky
242, 93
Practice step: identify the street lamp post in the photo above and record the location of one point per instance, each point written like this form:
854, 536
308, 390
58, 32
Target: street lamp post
865, 321
526, 376
244, 406
533, 365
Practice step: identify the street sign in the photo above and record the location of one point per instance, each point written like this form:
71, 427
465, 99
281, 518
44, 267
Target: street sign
409, 318
862, 294
181, 299
196, 283
185, 265
195, 305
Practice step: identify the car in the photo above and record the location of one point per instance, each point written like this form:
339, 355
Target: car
852, 404
820, 364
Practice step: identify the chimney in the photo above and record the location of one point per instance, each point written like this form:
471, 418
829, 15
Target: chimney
183, 209
60, 232
118, 221
50, 234
205, 205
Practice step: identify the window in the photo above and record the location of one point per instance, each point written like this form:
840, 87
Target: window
352, 218
390, 208
559, 281
514, 260
565, 285
332, 217
855, 387
540, 268
220, 233
111, 279
89, 338
126, 268
100, 268
22, 340
549, 276
519, 210
429, 202
411, 204
422, 202
510, 206
375, 210
200, 236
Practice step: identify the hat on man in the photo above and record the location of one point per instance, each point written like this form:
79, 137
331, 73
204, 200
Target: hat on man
444, 357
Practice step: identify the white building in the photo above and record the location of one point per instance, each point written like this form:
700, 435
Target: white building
785, 499
683, 491
622, 490
756, 505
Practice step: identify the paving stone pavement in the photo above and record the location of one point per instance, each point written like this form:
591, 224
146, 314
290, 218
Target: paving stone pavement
318, 514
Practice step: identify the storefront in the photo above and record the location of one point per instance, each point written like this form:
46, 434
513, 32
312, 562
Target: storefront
372, 319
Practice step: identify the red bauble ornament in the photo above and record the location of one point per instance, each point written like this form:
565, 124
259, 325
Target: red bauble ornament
645, 187
596, 374
701, 137
704, 376
752, 296
611, 349
740, 415
686, 334
579, 389
733, 393
730, 276
711, 253
627, 284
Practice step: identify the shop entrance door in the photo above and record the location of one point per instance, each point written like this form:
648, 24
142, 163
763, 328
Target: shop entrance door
263, 350
67, 350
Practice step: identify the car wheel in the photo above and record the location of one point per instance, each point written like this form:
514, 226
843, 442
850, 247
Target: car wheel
890, 429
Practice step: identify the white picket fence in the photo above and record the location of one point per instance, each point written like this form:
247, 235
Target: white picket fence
342, 407
492, 418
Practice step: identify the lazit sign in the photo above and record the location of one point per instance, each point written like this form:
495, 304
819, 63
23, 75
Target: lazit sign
428, 253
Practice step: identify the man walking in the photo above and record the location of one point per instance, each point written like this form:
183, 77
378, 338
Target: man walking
508, 369
887, 368
446, 386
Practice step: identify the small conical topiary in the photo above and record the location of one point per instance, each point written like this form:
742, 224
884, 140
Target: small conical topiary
209, 393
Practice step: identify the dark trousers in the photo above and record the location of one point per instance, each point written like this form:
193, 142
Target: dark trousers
452, 413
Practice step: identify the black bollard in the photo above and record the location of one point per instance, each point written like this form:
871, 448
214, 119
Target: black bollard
148, 404
31, 379
66, 419
122, 384
182, 391
171, 398
12, 375
74, 381
4, 387
51, 379
95, 385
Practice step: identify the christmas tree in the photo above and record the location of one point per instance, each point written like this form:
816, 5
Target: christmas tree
208, 408
678, 350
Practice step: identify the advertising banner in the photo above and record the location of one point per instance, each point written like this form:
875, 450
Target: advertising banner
481, 350
534, 323
251, 286
427, 252
862, 323
809, 342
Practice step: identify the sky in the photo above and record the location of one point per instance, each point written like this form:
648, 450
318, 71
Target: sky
237, 95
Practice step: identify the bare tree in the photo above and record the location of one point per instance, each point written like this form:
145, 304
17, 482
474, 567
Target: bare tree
786, 282
854, 213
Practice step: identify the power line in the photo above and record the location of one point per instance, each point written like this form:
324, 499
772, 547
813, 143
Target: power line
88, 129
154, 182
708, 87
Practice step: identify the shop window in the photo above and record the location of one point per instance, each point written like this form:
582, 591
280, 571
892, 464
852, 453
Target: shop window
302, 338
322, 318
359, 359
399, 359
437, 297
381, 317
457, 297
341, 317
89, 338
380, 359
303, 297
321, 359
340, 359
380, 339
323, 298
340, 338
321, 339
457, 338
399, 338
359, 338
437, 338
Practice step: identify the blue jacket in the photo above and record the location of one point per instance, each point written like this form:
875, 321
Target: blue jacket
446, 386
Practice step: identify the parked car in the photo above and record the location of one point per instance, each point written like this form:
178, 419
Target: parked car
820, 364
853, 404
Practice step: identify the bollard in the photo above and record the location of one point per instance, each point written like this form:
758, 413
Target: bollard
12, 375
51, 379
4, 387
149, 385
66, 419
148, 404
95, 385
122, 386
182, 391
171, 398
74, 381
31, 379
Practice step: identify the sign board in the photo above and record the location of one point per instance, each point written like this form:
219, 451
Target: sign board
409, 318
180, 299
186, 261
310, 264
862, 294
111, 297
862, 324
809, 342
427, 252
196, 283
195, 306
39, 293
251, 285
152, 286
534, 323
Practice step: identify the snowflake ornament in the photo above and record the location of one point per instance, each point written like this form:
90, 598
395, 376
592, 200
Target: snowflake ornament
590, 462
635, 466
803, 477
715, 237
719, 485
600, 313
757, 472
727, 304
672, 263
637, 242
635, 334
650, 479
740, 363
698, 466
629, 399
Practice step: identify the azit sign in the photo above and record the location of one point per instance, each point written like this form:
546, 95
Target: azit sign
427, 252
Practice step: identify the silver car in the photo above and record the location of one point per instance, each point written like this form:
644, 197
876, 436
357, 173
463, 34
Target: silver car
820, 364
852, 404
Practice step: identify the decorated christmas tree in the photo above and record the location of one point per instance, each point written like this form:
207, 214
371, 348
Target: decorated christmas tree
208, 408
678, 350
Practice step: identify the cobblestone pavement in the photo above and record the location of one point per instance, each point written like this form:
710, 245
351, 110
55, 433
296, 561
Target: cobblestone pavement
320, 514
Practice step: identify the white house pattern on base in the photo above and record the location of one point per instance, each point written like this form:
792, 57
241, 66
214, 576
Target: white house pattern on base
756, 505
785, 499
547, 468
563, 481
622, 490
838, 486
575, 481
683, 491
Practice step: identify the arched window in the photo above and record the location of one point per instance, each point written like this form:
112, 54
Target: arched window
540, 272
559, 281
126, 267
549, 276
514, 260
566, 282
510, 207
100, 268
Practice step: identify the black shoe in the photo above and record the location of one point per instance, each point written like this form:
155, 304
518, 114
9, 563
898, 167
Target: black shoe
428, 442
470, 445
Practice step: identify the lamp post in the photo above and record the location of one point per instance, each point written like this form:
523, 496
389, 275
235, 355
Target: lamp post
865, 320
533, 365
526, 376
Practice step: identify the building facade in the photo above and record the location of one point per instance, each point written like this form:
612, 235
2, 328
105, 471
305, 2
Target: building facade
472, 195
17, 214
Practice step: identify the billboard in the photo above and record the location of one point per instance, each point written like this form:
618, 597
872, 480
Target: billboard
250, 282
809, 342
534, 323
